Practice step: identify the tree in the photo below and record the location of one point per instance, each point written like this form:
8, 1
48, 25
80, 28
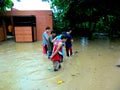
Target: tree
5, 4
76, 12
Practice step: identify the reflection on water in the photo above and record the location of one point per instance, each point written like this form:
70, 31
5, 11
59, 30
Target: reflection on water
84, 41
94, 67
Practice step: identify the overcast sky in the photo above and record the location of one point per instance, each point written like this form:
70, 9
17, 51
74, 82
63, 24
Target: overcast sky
31, 5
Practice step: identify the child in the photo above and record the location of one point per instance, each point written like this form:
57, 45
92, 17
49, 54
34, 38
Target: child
57, 51
63, 43
50, 43
45, 40
68, 43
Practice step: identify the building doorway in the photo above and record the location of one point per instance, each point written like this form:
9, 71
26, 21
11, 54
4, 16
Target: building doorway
18, 28
9, 28
6, 28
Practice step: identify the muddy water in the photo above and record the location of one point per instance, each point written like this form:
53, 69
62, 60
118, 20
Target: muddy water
24, 67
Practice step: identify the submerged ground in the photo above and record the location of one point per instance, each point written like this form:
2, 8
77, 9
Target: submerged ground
94, 67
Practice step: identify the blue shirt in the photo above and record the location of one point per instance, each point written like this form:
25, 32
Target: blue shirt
68, 42
44, 38
59, 37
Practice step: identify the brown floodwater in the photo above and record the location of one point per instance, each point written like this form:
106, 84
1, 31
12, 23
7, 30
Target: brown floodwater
92, 67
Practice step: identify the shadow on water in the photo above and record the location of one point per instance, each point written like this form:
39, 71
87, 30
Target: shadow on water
94, 66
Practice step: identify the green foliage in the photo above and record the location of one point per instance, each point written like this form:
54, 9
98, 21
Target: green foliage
5, 4
60, 8
97, 15
103, 25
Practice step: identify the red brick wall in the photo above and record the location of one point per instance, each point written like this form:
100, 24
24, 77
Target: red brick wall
43, 19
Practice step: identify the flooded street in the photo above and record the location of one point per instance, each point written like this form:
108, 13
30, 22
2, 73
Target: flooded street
24, 67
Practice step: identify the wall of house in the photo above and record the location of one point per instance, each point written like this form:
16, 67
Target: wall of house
43, 19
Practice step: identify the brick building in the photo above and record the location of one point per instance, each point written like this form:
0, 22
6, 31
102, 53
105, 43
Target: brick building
25, 25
